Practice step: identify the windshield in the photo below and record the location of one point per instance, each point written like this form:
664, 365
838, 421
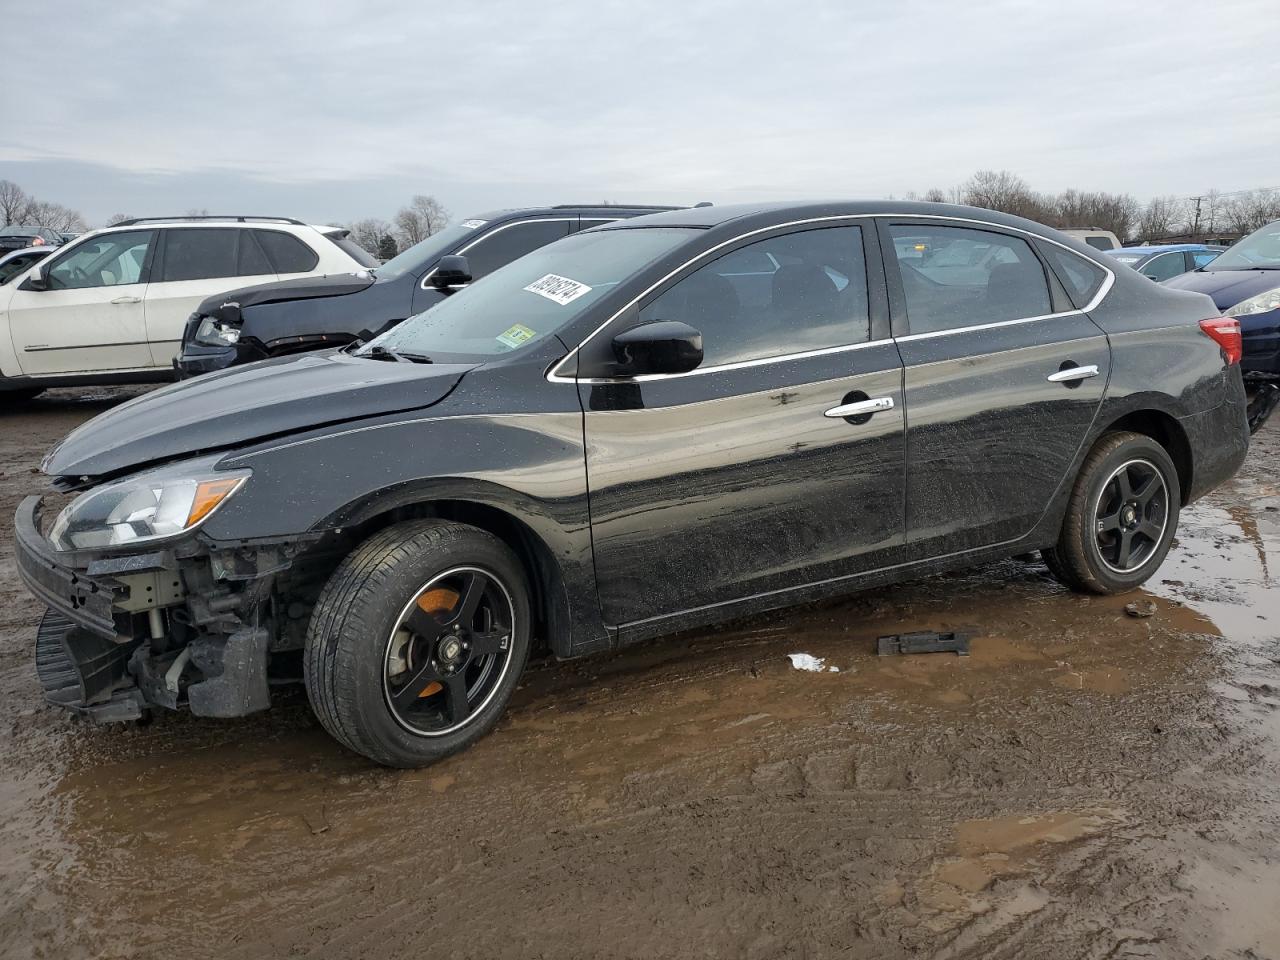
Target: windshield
530, 298
1260, 250
427, 251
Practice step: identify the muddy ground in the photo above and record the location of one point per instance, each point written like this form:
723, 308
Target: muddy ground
1086, 784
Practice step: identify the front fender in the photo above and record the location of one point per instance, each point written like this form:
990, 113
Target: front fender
347, 476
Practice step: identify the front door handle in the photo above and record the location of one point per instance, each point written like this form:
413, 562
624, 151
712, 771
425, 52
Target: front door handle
1072, 374
127, 300
860, 408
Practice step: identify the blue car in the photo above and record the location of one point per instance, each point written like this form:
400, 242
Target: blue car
1244, 282
1166, 260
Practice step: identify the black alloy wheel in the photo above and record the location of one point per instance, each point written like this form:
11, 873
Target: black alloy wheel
449, 651
1130, 516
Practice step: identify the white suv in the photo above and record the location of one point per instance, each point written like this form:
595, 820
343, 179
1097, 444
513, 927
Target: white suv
110, 306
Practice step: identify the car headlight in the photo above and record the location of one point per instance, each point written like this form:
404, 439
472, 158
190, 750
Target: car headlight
1270, 300
143, 509
214, 332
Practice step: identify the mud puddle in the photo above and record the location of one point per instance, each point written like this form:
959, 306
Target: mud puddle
1085, 784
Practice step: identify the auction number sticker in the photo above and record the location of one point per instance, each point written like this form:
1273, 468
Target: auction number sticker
472, 224
560, 289
515, 335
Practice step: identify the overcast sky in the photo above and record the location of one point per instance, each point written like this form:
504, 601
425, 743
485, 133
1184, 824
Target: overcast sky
333, 111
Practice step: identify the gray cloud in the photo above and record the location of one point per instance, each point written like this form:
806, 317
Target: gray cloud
345, 109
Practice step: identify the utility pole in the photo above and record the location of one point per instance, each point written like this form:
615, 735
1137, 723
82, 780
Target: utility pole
1195, 226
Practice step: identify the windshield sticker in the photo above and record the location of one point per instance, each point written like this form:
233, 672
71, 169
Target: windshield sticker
560, 289
472, 224
515, 335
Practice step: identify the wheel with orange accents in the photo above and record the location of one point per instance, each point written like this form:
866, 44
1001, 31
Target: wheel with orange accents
418, 641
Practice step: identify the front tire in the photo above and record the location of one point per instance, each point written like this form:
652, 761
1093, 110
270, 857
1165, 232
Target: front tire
1121, 517
418, 642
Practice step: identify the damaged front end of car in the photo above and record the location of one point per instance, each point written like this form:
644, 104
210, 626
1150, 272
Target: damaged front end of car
144, 612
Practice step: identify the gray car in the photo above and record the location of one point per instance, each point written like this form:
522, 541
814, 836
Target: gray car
16, 263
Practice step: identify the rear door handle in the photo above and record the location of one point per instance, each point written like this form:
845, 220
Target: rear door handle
127, 300
1073, 373
859, 408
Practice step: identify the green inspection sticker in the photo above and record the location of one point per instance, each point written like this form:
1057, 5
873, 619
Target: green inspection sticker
515, 335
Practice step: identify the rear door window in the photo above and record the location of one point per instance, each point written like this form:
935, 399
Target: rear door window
507, 243
286, 252
1164, 266
956, 277
203, 253
251, 259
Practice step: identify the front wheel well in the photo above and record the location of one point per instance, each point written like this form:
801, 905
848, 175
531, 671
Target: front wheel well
1166, 431
548, 597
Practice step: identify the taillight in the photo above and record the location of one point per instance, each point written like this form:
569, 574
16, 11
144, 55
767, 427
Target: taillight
1225, 332
37, 241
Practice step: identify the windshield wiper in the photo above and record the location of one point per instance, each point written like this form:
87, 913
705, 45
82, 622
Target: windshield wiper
379, 352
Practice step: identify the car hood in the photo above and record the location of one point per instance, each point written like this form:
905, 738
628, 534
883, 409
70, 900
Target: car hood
242, 404
1227, 287
303, 288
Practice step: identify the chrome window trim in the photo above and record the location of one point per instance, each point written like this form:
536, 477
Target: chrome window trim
496, 230
553, 375
722, 367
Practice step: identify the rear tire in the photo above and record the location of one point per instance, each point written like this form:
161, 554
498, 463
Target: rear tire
1263, 397
395, 612
1121, 517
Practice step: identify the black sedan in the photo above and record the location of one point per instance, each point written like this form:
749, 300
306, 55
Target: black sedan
641, 428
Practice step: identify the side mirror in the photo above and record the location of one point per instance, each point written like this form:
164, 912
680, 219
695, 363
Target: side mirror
451, 271
663, 346
39, 280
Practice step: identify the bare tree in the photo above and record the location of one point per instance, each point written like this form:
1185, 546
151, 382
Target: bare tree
1117, 212
419, 220
1003, 191
55, 216
119, 218
1161, 217
935, 195
1250, 209
369, 233
15, 205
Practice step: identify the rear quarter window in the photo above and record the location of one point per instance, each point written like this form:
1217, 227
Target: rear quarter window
1082, 278
287, 253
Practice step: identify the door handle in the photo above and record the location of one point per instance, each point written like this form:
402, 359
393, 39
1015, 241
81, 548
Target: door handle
127, 300
859, 408
1072, 374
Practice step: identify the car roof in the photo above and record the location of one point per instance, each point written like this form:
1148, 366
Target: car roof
763, 215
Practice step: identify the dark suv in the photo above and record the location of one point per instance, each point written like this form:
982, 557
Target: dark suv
292, 316
13, 237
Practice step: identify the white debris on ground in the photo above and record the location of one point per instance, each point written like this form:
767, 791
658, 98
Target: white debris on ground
803, 661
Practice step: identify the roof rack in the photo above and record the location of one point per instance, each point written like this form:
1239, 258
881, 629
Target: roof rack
238, 218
